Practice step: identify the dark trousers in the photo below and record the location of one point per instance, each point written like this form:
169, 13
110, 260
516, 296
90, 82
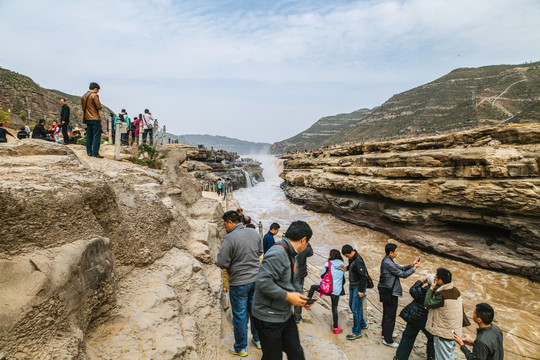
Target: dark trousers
389, 319
333, 298
93, 137
148, 132
299, 286
65, 133
407, 342
277, 338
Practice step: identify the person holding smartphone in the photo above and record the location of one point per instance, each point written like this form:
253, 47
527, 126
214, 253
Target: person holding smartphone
489, 340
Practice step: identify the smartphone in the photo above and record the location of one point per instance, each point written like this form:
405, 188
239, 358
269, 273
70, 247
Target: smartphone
453, 332
310, 301
418, 259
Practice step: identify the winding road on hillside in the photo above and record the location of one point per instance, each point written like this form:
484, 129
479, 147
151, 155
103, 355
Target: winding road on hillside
501, 107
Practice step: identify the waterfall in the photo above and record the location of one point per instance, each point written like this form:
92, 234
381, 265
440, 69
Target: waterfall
249, 181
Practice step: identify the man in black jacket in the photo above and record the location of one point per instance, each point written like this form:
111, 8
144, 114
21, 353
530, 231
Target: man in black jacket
64, 119
39, 131
358, 277
489, 341
299, 277
415, 314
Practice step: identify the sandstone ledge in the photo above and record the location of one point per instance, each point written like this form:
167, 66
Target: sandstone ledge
472, 196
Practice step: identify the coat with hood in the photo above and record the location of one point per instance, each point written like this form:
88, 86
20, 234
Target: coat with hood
338, 276
445, 311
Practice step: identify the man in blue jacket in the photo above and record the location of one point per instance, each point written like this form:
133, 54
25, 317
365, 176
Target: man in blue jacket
275, 294
268, 239
390, 274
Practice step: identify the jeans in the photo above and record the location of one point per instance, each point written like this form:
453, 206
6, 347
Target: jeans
279, 337
444, 349
407, 342
389, 319
241, 298
355, 304
93, 137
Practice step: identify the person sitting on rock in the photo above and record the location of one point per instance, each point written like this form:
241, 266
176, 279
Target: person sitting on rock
22, 134
39, 131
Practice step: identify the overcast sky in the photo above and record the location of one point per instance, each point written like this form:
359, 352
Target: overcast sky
258, 70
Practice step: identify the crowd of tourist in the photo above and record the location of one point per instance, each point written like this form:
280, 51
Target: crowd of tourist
266, 281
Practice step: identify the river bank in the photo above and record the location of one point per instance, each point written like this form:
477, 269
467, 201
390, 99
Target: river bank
514, 298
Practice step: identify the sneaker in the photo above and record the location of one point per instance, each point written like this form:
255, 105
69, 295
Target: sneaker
98, 156
365, 327
298, 319
307, 307
337, 330
392, 344
241, 353
353, 336
257, 343
393, 335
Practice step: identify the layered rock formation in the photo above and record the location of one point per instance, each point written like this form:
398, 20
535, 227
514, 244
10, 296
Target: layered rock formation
208, 165
472, 196
105, 259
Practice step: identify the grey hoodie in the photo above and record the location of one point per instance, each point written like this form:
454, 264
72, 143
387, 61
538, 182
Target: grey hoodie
273, 284
239, 254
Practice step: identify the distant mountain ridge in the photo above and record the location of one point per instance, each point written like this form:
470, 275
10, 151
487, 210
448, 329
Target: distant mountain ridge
19, 93
219, 142
463, 99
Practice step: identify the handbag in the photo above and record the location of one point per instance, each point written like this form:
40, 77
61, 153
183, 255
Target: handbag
326, 287
370, 284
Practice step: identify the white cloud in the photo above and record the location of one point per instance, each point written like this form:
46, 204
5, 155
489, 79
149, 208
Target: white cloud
220, 64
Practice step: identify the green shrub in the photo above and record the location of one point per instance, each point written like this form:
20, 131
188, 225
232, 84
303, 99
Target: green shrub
147, 156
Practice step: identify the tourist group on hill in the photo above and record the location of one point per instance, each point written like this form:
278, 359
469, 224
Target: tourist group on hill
91, 106
265, 282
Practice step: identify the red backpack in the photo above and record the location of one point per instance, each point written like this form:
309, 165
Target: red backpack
326, 287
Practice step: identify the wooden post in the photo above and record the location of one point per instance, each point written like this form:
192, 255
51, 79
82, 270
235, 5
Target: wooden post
109, 128
155, 134
120, 126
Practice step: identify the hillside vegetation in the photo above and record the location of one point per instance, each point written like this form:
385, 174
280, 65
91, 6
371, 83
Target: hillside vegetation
463, 99
19, 93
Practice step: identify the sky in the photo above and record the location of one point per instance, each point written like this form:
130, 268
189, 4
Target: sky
258, 70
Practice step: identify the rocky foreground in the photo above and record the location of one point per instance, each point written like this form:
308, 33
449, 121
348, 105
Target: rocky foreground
472, 196
105, 259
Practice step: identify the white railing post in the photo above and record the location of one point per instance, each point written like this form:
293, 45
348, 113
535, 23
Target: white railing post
164, 136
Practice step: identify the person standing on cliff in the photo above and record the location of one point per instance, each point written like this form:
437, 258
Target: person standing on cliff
299, 277
489, 341
358, 281
268, 239
239, 255
148, 126
390, 290
64, 120
275, 293
91, 106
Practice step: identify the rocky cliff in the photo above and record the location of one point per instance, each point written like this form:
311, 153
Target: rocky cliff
105, 259
208, 165
472, 196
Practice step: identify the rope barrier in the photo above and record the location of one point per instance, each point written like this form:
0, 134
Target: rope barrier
471, 331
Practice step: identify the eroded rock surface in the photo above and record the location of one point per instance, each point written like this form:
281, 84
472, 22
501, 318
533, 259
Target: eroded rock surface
105, 259
473, 196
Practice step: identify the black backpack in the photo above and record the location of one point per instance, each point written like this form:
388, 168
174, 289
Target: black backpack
121, 118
